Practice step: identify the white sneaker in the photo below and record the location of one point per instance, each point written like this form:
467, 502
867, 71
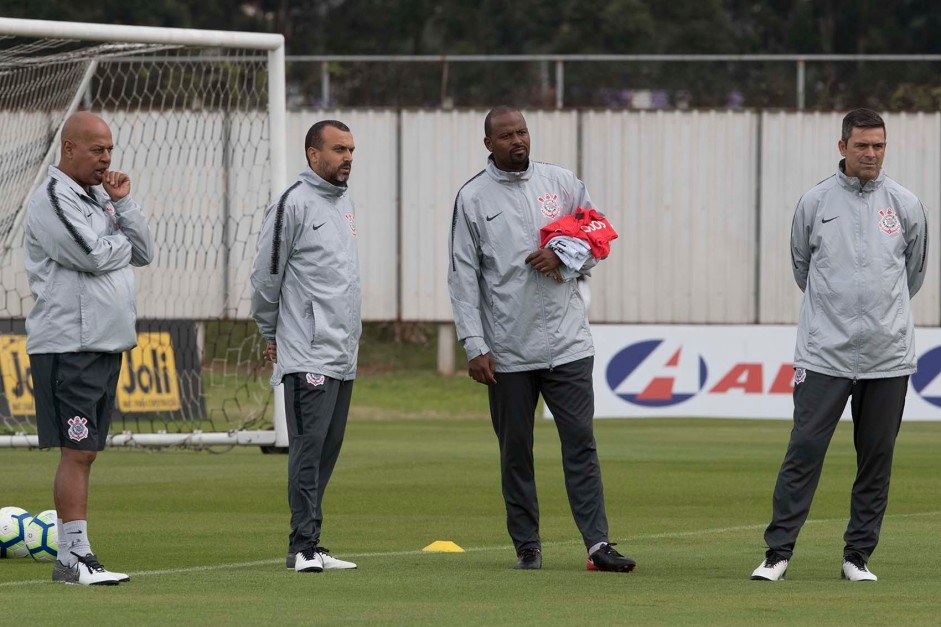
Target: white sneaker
772, 569
332, 563
87, 571
308, 561
854, 569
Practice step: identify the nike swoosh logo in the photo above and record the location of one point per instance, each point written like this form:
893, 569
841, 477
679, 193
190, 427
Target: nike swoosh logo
489, 218
318, 226
75, 533
825, 220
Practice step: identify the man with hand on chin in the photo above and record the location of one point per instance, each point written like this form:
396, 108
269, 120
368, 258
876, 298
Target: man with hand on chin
83, 234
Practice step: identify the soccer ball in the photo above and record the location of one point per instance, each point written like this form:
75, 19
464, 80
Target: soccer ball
42, 539
13, 532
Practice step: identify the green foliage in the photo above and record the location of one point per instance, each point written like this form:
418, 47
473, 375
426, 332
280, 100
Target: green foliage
439, 27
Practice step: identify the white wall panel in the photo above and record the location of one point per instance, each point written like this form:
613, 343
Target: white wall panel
798, 150
680, 189
374, 190
442, 150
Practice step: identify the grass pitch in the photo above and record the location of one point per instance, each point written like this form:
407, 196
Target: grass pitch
204, 535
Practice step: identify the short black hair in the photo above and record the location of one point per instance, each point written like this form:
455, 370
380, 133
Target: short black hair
498, 110
314, 137
861, 118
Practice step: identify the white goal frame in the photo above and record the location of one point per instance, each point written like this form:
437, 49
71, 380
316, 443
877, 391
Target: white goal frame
273, 45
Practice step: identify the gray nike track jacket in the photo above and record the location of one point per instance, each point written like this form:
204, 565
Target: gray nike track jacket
859, 256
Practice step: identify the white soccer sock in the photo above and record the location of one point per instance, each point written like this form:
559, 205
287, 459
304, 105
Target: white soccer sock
75, 541
595, 547
61, 543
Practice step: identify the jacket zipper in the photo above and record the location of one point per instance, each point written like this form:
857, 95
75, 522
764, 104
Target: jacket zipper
859, 301
527, 210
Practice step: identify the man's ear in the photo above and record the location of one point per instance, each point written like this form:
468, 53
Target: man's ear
488, 144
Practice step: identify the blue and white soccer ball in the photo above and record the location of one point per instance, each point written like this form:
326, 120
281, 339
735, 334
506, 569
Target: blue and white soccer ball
42, 539
13, 532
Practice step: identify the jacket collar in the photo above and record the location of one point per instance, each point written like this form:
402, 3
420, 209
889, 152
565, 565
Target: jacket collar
64, 178
852, 183
508, 177
325, 188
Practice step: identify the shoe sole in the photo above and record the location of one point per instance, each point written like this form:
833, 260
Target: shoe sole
310, 569
109, 582
60, 576
760, 578
625, 569
591, 567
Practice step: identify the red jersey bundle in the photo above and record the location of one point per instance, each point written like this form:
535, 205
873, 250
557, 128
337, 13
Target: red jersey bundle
584, 224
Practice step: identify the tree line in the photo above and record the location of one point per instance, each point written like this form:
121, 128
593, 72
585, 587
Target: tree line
436, 27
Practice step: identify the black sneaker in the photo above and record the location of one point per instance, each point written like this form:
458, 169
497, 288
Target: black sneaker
529, 559
607, 559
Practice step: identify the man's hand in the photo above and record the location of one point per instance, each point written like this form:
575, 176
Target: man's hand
271, 352
116, 184
481, 369
546, 262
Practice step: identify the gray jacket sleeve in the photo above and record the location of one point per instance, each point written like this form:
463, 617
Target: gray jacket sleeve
65, 236
800, 243
135, 228
463, 287
916, 250
268, 269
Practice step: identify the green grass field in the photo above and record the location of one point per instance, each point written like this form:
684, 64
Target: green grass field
204, 535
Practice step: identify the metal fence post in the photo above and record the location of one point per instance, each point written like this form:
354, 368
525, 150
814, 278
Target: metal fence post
325, 83
800, 83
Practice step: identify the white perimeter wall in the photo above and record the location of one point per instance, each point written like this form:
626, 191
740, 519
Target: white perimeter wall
703, 202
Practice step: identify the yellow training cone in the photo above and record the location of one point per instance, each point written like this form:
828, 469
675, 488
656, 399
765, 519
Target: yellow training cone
442, 546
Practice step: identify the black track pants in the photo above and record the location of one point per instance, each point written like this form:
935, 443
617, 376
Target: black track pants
567, 391
819, 400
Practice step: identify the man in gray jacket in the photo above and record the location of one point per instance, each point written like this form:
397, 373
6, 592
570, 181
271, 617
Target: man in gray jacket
858, 246
83, 234
306, 302
526, 333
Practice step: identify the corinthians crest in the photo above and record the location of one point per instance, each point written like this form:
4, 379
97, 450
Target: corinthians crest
77, 429
889, 223
352, 220
549, 205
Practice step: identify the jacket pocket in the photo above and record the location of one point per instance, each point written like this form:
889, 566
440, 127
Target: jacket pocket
816, 312
312, 314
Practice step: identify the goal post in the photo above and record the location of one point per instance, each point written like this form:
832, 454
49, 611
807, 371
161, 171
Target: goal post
198, 119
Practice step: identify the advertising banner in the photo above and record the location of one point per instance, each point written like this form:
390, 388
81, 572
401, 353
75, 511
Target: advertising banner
150, 379
723, 372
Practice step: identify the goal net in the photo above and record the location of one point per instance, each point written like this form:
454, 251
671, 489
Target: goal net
191, 115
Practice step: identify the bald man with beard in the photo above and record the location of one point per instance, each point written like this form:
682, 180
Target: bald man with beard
83, 234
